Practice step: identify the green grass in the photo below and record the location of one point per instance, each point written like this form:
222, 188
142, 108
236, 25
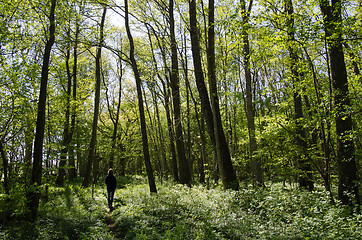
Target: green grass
179, 212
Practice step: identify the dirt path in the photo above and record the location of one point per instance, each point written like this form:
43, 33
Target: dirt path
109, 220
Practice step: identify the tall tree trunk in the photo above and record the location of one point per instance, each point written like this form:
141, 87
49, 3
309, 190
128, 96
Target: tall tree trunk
66, 132
116, 120
29, 137
199, 75
167, 105
33, 194
188, 116
305, 178
250, 114
93, 142
151, 179
200, 122
5, 167
73, 170
228, 174
171, 134
95, 168
347, 168
184, 167
161, 141
227, 171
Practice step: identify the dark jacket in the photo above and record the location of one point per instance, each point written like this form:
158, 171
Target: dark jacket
111, 182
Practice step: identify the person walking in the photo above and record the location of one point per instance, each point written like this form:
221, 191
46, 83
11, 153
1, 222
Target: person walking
111, 183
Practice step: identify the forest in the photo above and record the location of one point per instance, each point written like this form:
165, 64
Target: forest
220, 119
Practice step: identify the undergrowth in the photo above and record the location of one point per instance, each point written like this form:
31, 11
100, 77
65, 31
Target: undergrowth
179, 212
70, 212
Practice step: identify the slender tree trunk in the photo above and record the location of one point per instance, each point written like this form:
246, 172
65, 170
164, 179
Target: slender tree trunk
167, 104
171, 134
250, 114
151, 179
200, 122
163, 162
188, 116
305, 179
29, 137
227, 171
7, 213
170, 127
223, 153
95, 169
66, 132
73, 170
188, 123
199, 75
346, 160
93, 142
116, 120
5, 167
33, 194
184, 167
202, 159
325, 173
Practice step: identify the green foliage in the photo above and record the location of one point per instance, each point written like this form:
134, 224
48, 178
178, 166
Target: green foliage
178, 212
68, 213
13, 205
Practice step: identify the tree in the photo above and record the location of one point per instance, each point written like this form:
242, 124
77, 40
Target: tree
250, 113
146, 154
227, 172
72, 168
223, 152
184, 168
347, 169
305, 179
33, 195
67, 134
93, 142
165, 82
5, 166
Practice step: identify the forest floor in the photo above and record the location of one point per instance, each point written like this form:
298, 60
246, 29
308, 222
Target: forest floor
179, 212
109, 220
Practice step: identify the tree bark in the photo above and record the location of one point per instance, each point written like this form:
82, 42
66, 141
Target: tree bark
347, 168
33, 194
93, 142
171, 134
166, 94
228, 174
159, 136
184, 167
305, 178
73, 170
151, 179
199, 75
29, 137
167, 105
227, 171
116, 120
250, 114
66, 132
5, 167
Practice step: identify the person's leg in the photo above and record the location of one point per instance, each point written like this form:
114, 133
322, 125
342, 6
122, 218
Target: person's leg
111, 198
